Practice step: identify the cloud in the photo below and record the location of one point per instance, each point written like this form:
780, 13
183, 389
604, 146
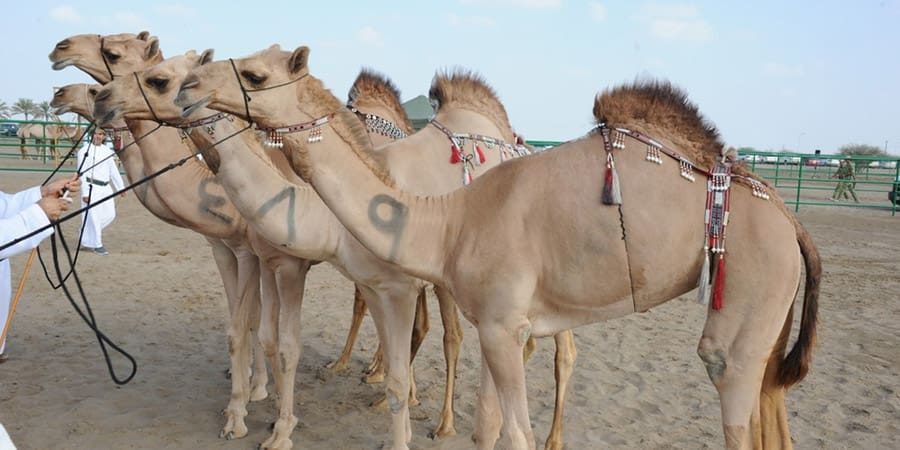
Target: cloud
676, 22
128, 19
598, 11
176, 10
65, 14
781, 70
470, 21
369, 35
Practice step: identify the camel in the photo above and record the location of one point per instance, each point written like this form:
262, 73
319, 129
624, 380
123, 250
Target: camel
515, 247
47, 137
153, 98
189, 197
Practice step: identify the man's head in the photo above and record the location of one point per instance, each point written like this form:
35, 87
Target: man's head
99, 136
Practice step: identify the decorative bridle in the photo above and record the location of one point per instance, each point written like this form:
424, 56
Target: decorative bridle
103, 56
275, 135
377, 124
718, 199
476, 156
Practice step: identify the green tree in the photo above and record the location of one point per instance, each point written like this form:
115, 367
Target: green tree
861, 150
26, 107
43, 111
4, 110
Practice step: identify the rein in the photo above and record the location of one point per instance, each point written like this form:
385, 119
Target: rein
103, 57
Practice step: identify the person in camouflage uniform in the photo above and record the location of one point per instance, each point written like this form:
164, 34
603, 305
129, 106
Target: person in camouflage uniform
846, 183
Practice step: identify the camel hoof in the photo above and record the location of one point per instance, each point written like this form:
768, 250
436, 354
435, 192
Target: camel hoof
381, 403
442, 432
227, 374
258, 394
374, 378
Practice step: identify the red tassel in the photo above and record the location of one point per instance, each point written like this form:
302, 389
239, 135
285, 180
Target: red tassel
481, 158
455, 154
117, 142
719, 284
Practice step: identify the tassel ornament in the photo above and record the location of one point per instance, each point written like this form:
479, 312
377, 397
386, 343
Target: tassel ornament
719, 284
455, 154
481, 159
703, 282
612, 191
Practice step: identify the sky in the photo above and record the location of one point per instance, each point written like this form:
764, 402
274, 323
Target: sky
773, 75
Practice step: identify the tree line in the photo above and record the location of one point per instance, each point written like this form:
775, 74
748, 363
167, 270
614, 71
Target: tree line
26, 107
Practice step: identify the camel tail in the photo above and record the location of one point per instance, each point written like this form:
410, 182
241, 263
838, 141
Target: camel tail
796, 365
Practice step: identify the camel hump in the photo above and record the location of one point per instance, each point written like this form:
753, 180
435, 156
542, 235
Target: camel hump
466, 89
371, 85
663, 107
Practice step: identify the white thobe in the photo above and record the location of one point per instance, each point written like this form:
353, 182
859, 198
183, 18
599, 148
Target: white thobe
96, 183
19, 215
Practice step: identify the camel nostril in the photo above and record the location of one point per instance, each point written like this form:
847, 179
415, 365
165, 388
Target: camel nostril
63, 44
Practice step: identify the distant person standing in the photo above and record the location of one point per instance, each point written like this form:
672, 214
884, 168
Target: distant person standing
100, 178
846, 181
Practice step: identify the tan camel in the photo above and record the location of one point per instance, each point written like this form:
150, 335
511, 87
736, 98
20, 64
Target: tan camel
47, 135
125, 97
191, 198
286, 325
513, 247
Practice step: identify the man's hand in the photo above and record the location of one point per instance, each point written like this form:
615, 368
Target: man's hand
85, 200
55, 188
54, 206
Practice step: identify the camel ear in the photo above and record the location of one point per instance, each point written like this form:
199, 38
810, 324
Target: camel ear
152, 48
299, 59
206, 56
143, 35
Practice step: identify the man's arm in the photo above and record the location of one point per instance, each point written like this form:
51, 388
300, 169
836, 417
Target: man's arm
26, 221
12, 204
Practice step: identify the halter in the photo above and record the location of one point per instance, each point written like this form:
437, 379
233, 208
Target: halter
476, 157
137, 80
275, 136
103, 56
718, 200
377, 124
245, 91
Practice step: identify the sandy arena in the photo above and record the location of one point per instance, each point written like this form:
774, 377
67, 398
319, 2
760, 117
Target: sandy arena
638, 383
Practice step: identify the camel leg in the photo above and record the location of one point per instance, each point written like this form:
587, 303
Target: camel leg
452, 342
267, 336
420, 329
393, 309
22, 148
488, 417
359, 311
772, 430
502, 344
565, 363
735, 348
239, 345
291, 279
375, 371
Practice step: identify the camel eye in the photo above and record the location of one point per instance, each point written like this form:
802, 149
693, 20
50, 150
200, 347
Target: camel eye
158, 83
253, 78
110, 56
59, 92
92, 92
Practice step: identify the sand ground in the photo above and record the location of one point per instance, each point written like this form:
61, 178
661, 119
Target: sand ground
638, 383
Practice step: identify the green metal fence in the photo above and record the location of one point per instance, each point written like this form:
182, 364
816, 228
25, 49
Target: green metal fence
42, 143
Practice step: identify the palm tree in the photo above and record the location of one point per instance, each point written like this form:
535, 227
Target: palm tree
25, 106
4, 110
43, 111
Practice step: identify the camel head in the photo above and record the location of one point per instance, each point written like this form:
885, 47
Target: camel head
77, 98
150, 94
98, 56
271, 78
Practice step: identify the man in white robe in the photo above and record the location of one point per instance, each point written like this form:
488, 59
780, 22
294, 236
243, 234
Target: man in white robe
23, 213
100, 178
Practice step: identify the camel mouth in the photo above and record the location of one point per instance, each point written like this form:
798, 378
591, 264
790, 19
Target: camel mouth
192, 108
60, 110
104, 118
62, 64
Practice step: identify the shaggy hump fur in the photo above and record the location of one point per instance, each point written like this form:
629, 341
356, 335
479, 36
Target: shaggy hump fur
468, 90
373, 87
665, 107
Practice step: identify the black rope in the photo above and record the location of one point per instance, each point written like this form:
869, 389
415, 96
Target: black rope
103, 57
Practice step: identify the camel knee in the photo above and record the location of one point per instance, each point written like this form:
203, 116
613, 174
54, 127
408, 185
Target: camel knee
713, 358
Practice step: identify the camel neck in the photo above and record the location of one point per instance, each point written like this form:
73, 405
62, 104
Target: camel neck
400, 228
191, 192
280, 206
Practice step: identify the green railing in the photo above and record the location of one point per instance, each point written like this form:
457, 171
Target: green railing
42, 142
807, 179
